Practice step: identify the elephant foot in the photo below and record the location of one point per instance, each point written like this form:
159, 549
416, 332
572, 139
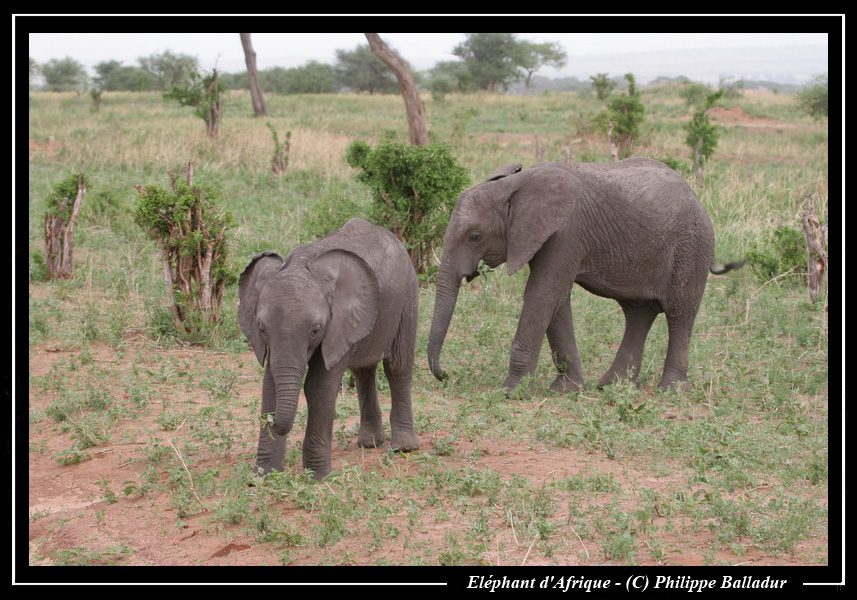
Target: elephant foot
405, 441
370, 437
612, 377
563, 384
319, 474
515, 384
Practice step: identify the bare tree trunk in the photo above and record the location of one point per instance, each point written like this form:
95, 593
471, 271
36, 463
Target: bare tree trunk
614, 147
816, 242
414, 108
253, 75
59, 235
214, 98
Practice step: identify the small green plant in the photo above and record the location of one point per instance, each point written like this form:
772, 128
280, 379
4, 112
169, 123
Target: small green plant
702, 134
414, 190
602, 85
72, 456
813, 99
622, 118
80, 556
205, 94
282, 150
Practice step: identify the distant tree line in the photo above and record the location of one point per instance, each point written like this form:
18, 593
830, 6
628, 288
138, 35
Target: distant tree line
489, 61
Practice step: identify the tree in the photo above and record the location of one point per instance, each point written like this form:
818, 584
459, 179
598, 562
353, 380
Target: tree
602, 85
361, 71
449, 76
621, 119
813, 99
702, 134
113, 76
169, 69
253, 75
64, 75
34, 71
490, 59
531, 57
312, 78
60, 218
205, 94
190, 230
413, 105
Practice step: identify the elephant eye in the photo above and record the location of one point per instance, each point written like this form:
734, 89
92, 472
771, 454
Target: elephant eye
474, 237
314, 331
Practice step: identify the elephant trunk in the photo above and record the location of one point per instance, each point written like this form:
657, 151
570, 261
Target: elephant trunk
287, 385
446, 296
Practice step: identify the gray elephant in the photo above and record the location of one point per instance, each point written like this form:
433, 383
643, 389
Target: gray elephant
631, 230
347, 301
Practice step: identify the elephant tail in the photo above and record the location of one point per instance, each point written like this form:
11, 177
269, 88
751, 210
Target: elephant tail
727, 267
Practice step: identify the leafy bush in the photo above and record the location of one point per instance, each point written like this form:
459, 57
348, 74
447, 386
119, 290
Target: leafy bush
190, 230
783, 251
414, 191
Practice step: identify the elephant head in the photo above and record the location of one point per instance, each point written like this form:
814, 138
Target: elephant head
292, 309
504, 219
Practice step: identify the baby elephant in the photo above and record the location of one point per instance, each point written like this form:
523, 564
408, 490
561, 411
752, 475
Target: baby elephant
347, 301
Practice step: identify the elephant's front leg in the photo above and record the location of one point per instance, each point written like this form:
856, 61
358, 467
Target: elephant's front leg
321, 388
563, 345
271, 451
371, 434
541, 300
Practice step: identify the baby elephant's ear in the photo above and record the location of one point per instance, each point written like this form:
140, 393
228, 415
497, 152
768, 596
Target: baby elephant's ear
250, 283
355, 301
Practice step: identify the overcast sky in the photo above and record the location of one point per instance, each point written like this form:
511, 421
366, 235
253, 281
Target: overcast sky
588, 53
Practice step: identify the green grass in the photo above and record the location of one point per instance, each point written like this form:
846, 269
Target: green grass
740, 462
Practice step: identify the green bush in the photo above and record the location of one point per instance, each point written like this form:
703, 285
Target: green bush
784, 250
414, 189
190, 229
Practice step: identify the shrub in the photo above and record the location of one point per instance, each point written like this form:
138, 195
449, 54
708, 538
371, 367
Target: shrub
190, 230
414, 189
784, 250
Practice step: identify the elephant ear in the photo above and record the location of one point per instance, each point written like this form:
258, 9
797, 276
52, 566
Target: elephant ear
539, 205
250, 283
354, 301
504, 171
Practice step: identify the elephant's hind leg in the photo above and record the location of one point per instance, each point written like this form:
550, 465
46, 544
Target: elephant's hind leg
371, 434
675, 366
629, 357
399, 369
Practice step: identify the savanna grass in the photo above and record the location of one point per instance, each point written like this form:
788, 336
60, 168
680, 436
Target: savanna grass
739, 462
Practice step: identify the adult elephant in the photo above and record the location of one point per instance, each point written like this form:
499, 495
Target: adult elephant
347, 301
631, 230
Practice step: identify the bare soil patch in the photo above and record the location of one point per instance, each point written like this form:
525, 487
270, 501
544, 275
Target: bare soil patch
79, 507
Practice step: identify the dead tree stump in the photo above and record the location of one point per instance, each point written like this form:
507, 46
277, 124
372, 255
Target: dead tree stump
816, 249
59, 234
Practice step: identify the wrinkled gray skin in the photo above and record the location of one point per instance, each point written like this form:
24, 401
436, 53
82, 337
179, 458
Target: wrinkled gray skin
347, 301
631, 230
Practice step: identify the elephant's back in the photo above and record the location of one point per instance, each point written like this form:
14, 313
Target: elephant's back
381, 250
